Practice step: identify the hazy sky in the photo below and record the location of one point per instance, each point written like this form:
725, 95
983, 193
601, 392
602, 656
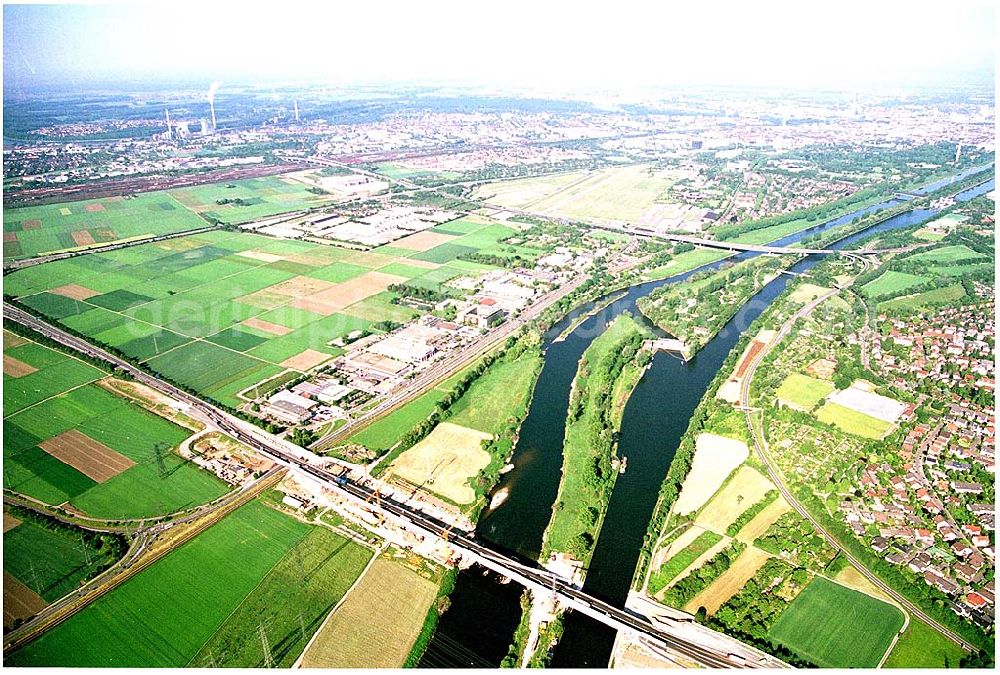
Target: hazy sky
614, 43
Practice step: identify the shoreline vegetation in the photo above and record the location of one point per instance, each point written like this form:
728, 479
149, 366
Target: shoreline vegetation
695, 312
609, 369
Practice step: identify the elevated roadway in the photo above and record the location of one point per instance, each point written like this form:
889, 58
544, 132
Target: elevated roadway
696, 642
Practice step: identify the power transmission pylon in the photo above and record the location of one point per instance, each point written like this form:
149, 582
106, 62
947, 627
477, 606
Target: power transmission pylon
34, 576
158, 451
86, 551
262, 632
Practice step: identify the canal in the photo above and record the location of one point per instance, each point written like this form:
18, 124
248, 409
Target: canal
654, 420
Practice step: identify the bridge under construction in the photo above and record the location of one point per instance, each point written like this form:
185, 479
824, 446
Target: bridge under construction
683, 637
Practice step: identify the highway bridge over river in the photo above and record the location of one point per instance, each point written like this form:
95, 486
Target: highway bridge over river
687, 638
757, 248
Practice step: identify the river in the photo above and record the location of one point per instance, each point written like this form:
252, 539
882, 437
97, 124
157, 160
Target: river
655, 418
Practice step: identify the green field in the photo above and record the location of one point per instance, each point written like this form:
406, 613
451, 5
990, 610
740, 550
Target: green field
143, 490
803, 391
49, 561
383, 433
291, 601
961, 270
56, 372
938, 296
949, 255
496, 397
680, 561
921, 646
44, 229
685, 262
891, 282
852, 421
164, 615
60, 397
181, 304
53, 227
260, 197
837, 627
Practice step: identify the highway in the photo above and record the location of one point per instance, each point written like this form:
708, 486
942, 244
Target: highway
275, 449
776, 477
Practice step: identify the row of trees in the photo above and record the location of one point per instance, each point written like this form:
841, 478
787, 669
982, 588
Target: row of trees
701, 578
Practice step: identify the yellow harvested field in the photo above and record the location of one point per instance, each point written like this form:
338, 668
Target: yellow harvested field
423, 241
630, 193
19, 601
522, 192
264, 299
11, 340
267, 326
746, 488
94, 460
74, 291
715, 457
9, 522
313, 258
633, 654
804, 293
260, 255
378, 622
82, 237
444, 462
730, 582
310, 358
852, 578
300, 286
14, 368
763, 520
337, 296
376, 260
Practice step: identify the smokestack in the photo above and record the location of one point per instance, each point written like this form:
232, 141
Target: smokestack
296, 111
170, 128
211, 100
958, 153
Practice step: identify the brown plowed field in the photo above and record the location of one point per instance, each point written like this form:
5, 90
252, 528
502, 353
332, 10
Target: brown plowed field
14, 368
267, 326
19, 601
306, 360
74, 291
95, 460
